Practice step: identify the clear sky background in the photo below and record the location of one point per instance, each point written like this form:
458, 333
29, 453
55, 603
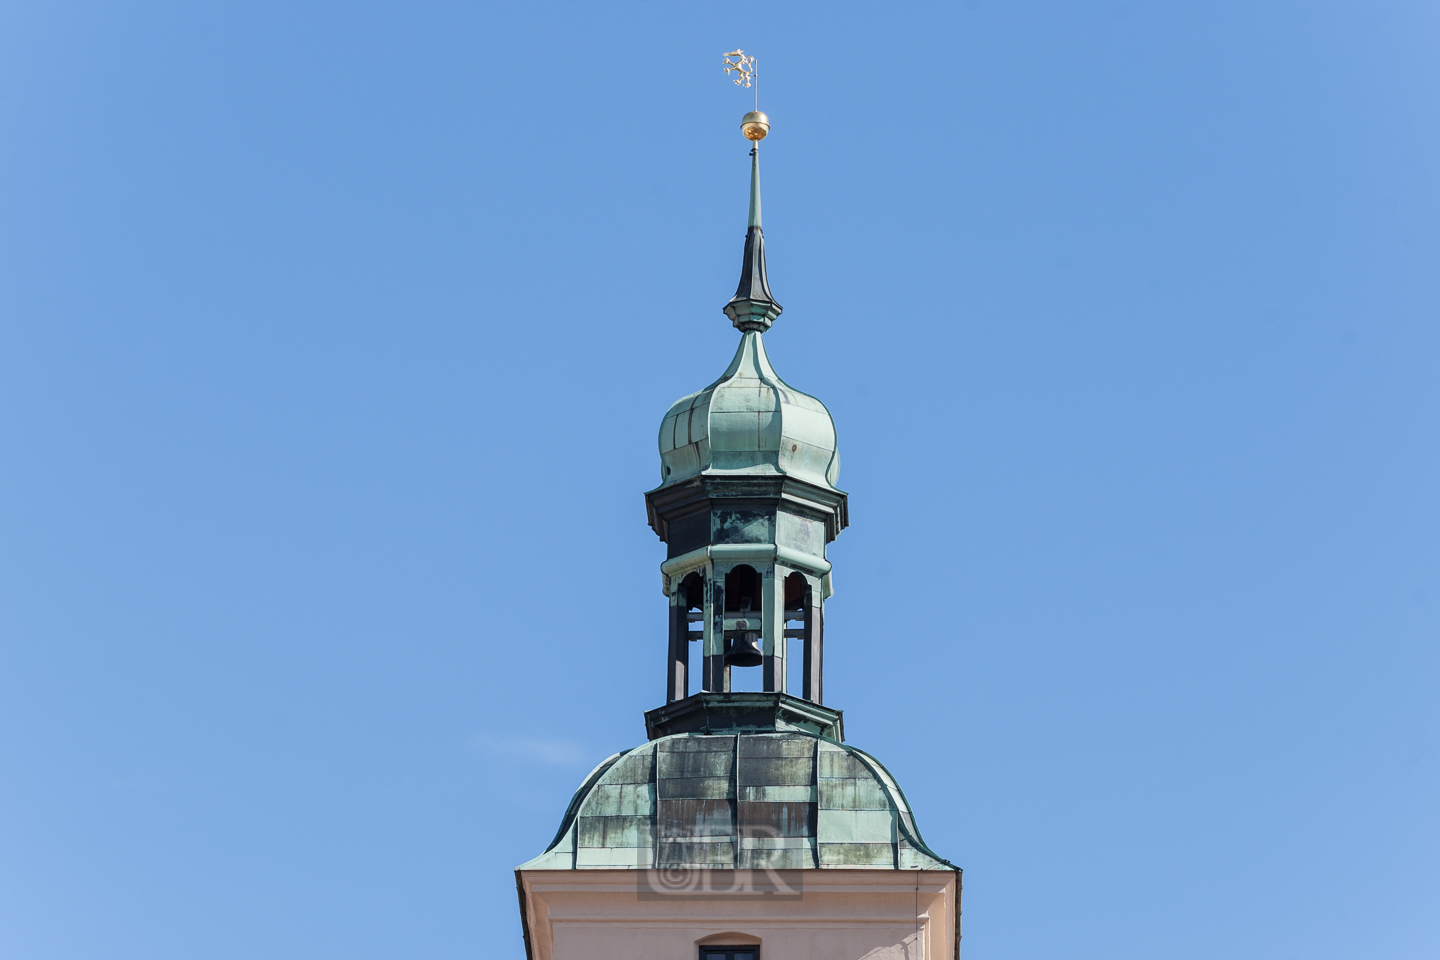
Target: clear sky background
335, 342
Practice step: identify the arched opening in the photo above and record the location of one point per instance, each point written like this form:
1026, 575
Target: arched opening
743, 602
743, 589
692, 589
692, 602
796, 589
803, 622
687, 609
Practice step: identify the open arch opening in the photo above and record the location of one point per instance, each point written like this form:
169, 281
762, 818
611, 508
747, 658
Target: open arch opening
793, 615
692, 593
743, 612
692, 602
687, 608
803, 622
742, 589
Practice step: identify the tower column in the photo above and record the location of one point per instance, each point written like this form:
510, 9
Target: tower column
715, 676
773, 630
677, 674
814, 643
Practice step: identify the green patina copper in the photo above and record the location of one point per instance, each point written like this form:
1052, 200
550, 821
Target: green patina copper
753, 307
742, 801
747, 505
749, 421
748, 474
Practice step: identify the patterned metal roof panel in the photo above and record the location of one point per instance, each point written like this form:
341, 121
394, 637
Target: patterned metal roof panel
747, 801
749, 421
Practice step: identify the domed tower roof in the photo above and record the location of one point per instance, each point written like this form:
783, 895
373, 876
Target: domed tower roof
743, 781
761, 800
749, 421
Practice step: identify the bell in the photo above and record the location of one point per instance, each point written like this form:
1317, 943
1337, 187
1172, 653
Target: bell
745, 651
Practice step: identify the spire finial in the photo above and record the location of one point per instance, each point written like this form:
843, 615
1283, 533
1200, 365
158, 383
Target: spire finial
752, 307
754, 187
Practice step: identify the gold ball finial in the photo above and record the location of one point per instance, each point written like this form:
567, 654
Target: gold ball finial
755, 125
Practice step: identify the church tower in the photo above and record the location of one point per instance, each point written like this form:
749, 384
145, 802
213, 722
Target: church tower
746, 828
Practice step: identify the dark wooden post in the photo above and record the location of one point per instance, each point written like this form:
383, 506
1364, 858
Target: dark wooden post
772, 619
677, 676
814, 648
714, 677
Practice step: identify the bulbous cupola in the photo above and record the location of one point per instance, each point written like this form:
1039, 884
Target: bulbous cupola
749, 421
746, 505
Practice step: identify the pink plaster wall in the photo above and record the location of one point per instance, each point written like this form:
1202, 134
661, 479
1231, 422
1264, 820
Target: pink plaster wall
842, 915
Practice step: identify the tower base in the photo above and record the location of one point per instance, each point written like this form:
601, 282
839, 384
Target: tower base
744, 713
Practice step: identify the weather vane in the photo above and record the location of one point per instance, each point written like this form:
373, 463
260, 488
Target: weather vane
742, 66
754, 125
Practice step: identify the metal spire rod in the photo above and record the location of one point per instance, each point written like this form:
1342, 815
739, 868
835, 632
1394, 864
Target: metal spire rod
754, 186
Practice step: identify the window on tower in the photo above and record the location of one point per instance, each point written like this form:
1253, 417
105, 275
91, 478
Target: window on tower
729, 953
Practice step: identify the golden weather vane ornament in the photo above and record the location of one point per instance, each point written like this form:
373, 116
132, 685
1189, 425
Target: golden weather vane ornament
754, 125
742, 66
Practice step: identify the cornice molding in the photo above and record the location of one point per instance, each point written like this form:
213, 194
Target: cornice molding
667, 503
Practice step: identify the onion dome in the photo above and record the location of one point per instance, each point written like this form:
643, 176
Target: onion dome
750, 421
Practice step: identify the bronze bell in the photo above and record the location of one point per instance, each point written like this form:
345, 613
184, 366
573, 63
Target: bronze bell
745, 651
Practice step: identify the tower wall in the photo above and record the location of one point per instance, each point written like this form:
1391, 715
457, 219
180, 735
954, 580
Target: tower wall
837, 915
779, 527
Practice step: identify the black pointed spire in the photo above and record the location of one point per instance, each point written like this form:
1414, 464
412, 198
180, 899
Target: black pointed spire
753, 307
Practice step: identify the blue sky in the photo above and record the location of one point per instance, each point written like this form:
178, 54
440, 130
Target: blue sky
336, 339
